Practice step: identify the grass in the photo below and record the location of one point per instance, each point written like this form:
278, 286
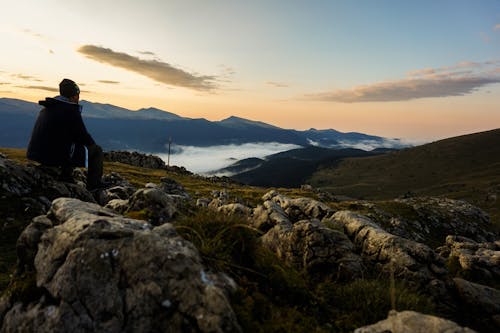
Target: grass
464, 168
271, 296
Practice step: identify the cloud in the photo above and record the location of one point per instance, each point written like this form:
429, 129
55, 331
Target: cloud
147, 53
496, 27
458, 80
205, 159
26, 77
277, 84
40, 88
108, 82
153, 69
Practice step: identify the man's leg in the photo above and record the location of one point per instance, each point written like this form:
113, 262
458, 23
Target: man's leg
66, 174
96, 159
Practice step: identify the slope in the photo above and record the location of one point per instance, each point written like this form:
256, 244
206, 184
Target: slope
465, 167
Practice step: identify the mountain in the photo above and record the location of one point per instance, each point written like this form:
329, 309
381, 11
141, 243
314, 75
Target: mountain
465, 167
150, 129
290, 168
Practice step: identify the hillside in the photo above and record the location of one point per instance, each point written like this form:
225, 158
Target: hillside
465, 167
290, 168
164, 250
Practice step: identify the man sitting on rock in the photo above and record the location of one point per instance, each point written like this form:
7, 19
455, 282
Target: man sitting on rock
59, 137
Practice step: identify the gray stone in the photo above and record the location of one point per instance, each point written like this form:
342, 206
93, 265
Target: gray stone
107, 273
410, 260
413, 322
308, 245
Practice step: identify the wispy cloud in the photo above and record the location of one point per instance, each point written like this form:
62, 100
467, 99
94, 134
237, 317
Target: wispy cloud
108, 82
460, 79
149, 53
52, 89
496, 27
277, 84
26, 77
153, 69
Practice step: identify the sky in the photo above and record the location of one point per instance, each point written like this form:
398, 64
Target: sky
416, 70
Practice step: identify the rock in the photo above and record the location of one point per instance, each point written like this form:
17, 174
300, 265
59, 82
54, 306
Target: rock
36, 186
478, 262
235, 209
27, 243
161, 206
300, 208
310, 246
440, 217
478, 296
102, 272
135, 159
266, 216
118, 205
170, 186
202, 202
480, 303
410, 260
414, 322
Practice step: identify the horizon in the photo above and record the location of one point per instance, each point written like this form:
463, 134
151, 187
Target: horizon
418, 71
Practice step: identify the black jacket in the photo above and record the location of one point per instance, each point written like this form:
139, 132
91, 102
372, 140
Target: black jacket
58, 130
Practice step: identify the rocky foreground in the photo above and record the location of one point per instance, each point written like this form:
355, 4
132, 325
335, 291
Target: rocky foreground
96, 269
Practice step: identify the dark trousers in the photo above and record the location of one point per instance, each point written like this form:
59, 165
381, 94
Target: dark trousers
95, 164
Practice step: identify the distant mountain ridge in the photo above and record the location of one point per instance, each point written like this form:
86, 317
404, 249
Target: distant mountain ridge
149, 129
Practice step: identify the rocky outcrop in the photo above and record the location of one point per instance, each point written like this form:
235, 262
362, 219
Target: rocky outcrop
299, 208
158, 203
479, 301
306, 244
409, 260
431, 219
476, 261
410, 321
101, 272
142, 160
34, 186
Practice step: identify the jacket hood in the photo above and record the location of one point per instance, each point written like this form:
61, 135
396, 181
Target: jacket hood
60, 102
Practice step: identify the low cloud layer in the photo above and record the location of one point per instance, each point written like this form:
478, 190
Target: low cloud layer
458, 80
205, 159
153, 69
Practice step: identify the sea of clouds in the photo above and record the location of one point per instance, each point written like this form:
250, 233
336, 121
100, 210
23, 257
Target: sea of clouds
202, 160
205, 160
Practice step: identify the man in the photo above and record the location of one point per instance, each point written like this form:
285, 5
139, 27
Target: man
59, 137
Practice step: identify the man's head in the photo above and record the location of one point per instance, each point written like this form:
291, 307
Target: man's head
69, 89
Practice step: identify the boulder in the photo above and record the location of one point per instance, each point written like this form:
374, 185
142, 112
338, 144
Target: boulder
135, 159
481, 303
414, 322
308, 245
300, 208
476, 261
235, 209
35, 186
101, 272
160, 206
408, 259
439, 217
267, 215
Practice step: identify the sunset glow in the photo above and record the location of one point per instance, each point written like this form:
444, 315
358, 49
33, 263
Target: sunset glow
414, 70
